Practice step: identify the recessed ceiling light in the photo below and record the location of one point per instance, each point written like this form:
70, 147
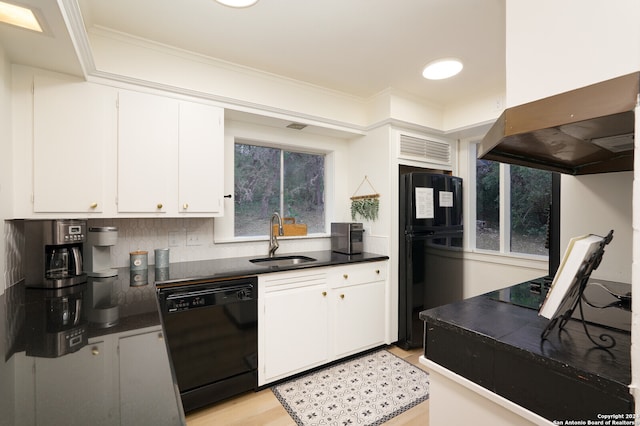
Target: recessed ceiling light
238, 3
19, 16
442, 68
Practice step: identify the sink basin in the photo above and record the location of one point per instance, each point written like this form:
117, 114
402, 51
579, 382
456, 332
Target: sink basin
282, 260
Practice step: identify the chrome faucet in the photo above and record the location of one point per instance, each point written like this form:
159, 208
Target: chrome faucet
273, 240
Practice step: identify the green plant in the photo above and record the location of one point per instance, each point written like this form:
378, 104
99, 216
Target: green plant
366, 207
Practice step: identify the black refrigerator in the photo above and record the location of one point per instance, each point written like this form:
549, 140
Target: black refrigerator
430, 249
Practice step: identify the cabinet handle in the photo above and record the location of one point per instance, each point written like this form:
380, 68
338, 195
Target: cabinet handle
378, 271
345, 276
324, 293
160, 336
95, 351
342, 296
159, 206
185, 206
93, 205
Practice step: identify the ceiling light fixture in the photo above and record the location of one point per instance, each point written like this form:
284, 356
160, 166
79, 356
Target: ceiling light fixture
238, 3
19, 16
442, 68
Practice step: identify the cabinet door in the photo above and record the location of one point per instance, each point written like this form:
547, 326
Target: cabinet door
201, 159
145, 379
358, 317
72, 133
295, 330
56, 383
147, 152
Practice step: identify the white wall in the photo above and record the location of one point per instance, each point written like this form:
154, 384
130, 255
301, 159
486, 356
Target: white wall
471, 112
556, 46
488, 272
369, 156
595, 204
6, 168
143, 62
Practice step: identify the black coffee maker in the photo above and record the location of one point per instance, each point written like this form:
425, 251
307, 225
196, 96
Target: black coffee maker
54, 253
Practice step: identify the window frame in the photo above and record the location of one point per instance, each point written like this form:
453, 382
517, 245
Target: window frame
282, 151
224, 226
505, 210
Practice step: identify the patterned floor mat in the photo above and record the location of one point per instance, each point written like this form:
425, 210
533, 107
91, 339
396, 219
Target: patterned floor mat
367, 390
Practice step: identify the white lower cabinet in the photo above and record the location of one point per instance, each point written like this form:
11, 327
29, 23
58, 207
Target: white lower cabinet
116, 379
145, 379
310, 317
358, 320
293, 333
90, 365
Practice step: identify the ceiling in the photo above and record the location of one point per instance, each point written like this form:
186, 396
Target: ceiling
358, 47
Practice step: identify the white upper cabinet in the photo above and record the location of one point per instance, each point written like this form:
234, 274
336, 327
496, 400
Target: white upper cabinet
91, 150
201, 159
147, 149
170, 156
74, 128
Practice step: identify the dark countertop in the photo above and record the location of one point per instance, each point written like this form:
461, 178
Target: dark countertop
494, 340
241, 266
119, 371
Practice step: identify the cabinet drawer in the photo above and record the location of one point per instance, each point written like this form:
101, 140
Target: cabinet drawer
358, 274
294, 279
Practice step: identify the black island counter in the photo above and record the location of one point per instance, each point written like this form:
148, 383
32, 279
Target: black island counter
96, 353
488, 360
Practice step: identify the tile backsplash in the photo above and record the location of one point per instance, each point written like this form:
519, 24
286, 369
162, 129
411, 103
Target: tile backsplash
14, 249
189, 239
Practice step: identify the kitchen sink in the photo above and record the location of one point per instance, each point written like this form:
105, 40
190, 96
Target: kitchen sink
282, 260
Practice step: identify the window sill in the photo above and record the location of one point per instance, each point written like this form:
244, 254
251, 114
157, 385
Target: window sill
510, 259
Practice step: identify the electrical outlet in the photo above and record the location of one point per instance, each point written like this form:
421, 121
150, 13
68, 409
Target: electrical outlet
177, 238
193, 239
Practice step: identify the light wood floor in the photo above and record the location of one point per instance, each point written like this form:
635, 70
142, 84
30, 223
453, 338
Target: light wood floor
262, 408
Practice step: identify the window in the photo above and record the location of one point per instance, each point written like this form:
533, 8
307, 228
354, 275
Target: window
270, 179
524, 194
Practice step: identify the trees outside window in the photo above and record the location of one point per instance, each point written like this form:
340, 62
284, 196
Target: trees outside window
270, 179
525, 195
530, 191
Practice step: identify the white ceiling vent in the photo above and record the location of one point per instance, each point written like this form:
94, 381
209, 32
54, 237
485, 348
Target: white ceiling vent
425, 150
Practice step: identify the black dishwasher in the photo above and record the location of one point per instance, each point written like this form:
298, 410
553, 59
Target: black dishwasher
211, 331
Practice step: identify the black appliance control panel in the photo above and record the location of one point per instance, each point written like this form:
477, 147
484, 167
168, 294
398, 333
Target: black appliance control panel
209, 294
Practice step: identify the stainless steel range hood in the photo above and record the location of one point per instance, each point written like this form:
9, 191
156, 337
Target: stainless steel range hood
587, 130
